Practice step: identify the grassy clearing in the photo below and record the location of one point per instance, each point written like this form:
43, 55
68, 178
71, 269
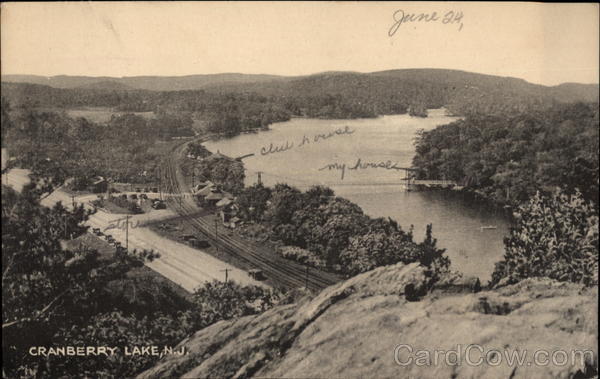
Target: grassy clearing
102, 115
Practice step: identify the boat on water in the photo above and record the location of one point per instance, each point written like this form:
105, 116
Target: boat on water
487, 227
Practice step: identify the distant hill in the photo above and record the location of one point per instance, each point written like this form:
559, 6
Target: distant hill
152, 83
447, 81
567, 91
323, 95
106, 85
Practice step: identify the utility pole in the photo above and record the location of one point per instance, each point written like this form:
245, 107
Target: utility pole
217, 235
306, 280
127, 233
259, 177
226, 273
159, 182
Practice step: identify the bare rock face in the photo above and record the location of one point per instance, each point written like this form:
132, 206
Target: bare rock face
393, 322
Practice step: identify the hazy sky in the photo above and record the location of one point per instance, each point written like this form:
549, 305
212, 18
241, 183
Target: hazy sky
542, 43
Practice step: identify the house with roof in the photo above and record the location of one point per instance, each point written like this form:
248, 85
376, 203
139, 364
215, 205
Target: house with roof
98, 184
228, 214
203, 188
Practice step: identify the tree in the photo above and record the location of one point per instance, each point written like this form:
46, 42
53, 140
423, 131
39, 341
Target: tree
302, 256
252, 201
5, 119
217, 301
45, 286
227, 173
555, 236
285, 200
375, 249
372, 250
430, 255
318, 195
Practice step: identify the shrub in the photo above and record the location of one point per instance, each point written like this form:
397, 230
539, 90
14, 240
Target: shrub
303, 256
554, 236
130, 205
372, 250
215, 301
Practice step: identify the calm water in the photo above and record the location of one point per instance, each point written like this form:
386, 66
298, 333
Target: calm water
281, 156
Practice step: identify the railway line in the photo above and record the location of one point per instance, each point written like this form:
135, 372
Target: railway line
281, 272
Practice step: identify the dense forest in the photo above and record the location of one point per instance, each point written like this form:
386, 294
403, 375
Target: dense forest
331, 232
508, 158
231, 105
56, 146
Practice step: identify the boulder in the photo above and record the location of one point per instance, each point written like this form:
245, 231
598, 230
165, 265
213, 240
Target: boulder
379, 323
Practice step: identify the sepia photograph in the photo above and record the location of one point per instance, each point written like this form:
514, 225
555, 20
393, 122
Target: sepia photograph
279, 189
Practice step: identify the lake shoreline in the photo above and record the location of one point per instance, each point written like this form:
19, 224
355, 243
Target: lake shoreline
457, 216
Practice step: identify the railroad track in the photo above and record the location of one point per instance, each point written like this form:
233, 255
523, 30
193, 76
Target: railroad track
283, 273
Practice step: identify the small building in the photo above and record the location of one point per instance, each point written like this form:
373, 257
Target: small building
214, 197
225, 201
204, 187
228, 215
207, 190
98, 185
256, 274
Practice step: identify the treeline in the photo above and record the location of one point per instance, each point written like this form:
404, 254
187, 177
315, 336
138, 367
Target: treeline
54, 296
230, 109
333, 232
228, 114
58, 147
508, 158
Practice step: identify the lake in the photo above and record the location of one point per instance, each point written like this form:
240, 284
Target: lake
361, 160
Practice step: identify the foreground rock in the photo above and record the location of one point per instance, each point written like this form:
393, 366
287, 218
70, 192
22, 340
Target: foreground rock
367, 326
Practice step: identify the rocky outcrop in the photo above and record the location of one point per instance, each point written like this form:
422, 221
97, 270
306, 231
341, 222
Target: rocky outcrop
385, 322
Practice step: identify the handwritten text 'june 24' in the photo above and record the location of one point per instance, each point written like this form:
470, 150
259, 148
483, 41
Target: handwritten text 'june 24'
402, 18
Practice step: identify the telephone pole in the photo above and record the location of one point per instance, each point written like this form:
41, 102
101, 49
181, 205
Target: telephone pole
226, 273
306, 280
259, 177
217, 236
159, 182
127, 233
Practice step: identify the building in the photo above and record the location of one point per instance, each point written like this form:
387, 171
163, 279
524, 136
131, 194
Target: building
203, 188
228, 215
214, 197
98, 185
